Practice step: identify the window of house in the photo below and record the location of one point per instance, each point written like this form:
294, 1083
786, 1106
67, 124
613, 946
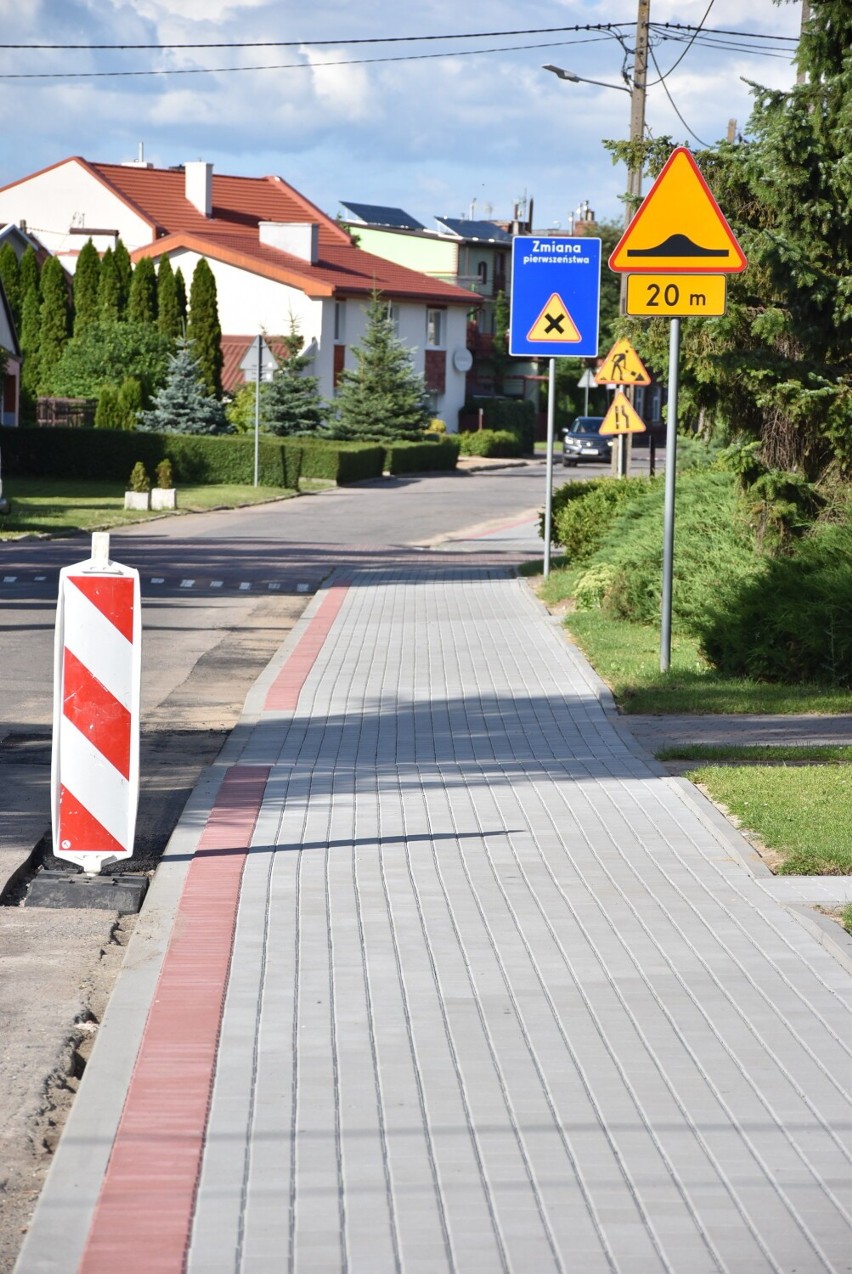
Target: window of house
482, 271
340, 321
393, 316
434, 327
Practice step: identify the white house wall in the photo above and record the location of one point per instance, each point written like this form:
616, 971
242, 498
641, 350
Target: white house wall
68, 197
249, 304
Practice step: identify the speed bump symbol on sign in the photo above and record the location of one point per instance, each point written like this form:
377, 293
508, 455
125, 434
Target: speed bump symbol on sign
554, 323
622, 417
622, 366
679, 228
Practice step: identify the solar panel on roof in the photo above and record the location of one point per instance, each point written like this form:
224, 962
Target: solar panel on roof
467, 229
379, 215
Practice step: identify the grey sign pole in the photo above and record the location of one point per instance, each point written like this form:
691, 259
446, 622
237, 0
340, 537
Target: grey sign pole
669, 507
258, 364
548, 497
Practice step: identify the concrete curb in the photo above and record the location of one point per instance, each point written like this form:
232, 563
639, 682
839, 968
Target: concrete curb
827, 932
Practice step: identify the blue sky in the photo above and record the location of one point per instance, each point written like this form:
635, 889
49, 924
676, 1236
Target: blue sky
473, 130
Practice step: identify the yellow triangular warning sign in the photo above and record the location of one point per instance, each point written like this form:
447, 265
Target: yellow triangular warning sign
679, 228
622, 366
622, 418
554, 323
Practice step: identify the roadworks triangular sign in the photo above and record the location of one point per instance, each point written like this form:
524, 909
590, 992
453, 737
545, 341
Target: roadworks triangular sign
554, 323
622, 366
679, 228
622, 418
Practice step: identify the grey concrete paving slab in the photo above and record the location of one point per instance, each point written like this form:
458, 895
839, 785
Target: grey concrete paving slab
503, 996
529, 1005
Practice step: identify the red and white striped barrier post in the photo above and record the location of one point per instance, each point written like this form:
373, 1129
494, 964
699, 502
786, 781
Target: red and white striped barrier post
97, 669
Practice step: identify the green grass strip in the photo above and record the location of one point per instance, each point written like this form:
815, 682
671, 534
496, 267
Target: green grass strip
803, 813
816, 754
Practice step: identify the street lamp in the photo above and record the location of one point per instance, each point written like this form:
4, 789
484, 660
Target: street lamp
582, 79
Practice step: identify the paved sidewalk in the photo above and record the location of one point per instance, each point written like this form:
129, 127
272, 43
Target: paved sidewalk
442, 973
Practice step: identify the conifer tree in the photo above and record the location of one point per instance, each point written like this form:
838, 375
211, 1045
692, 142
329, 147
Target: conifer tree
30, 273
292, 404
180, 291
170, 318
203, 329
29, 339
142, 303
778, 365
10, 274
87, 277
109, 290
124, 273
108, 411
183, 405
55, 316
382, 397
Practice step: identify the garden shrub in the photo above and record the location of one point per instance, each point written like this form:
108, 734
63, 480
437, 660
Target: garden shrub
594, 585
340, 462
490, 442
517, 414
583, 512
438, 453
791, 620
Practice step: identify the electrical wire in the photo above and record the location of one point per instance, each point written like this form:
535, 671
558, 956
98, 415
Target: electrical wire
689, 45
295, 44
662, 80
285, 66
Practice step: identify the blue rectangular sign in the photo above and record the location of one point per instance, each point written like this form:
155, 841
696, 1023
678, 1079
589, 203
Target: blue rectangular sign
555, 300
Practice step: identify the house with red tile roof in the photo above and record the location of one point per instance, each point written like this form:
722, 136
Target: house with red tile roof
274, 255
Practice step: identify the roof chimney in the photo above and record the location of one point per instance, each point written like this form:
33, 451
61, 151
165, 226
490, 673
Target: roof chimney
299, 238
198, 186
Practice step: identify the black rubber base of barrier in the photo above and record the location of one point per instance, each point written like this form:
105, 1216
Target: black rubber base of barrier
123, 894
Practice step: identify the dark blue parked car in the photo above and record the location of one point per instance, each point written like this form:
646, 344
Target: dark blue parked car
582, 441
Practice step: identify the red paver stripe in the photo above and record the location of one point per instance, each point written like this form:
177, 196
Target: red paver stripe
143, 1217
283, 694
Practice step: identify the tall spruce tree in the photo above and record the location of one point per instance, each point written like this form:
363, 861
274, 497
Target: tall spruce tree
142, 302
87, 277
183, 405
203, 329
170, 319
10, 274
382, 397
55, 319
292, 403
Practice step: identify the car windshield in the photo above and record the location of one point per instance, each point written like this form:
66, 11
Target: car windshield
587, 425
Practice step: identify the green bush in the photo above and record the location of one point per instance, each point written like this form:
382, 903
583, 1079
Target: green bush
517, 414
792, 619
583, 512
422, 457
490, 442
139, 480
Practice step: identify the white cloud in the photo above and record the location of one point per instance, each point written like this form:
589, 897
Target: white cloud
429, 134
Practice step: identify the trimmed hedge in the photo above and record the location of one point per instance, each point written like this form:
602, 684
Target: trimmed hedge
491, 442
195, 458
423, 457
340, 462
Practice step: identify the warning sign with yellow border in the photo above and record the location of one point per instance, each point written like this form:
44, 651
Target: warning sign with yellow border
622, 366
554, 323
622, 418
679, 228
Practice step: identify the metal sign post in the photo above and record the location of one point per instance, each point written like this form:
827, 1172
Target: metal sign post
678, 243
258, 364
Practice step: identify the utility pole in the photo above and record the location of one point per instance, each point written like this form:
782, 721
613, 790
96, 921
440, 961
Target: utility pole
622, 450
